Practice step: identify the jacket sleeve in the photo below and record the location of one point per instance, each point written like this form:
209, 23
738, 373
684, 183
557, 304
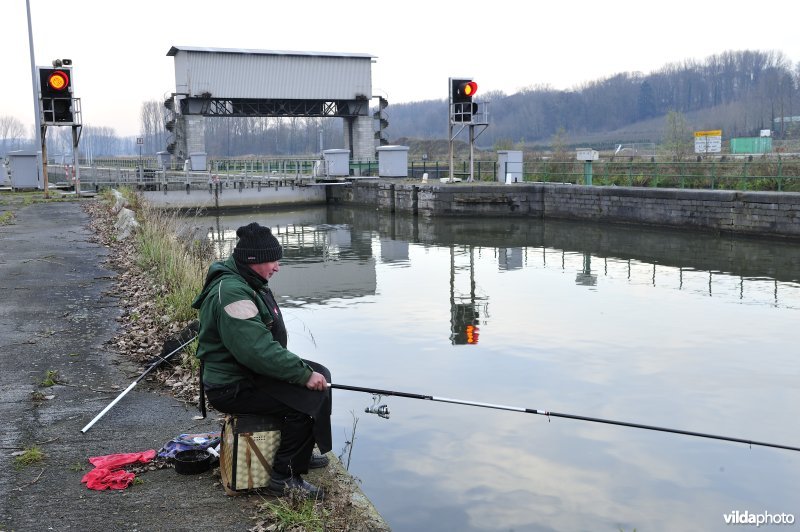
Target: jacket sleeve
249, 340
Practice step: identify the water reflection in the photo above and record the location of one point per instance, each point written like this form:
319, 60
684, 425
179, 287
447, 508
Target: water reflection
680, 330
394, 252
585, 277
510, 258
328, 261
466, 306
336, 259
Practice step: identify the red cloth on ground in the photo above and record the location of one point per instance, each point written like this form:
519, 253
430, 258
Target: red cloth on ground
101, 478
107, 473
115, 461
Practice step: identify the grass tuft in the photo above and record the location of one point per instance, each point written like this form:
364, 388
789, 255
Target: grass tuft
50, 379
29, 456
7, 218
296, 511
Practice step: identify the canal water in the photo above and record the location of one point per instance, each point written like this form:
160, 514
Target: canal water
687, 331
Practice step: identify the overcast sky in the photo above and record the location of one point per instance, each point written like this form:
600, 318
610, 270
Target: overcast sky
119, 48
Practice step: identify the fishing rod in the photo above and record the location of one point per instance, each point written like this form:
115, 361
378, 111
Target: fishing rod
383, 411
192, 327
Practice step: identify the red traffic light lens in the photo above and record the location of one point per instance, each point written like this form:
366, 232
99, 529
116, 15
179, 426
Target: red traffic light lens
470, 89
58, 80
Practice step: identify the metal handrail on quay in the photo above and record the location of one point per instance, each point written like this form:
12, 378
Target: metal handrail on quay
100, 177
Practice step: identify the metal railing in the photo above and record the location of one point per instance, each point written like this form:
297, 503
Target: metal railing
124, 171
100, 177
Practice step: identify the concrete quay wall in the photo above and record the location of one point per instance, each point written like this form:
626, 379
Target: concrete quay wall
234, 198
775, 214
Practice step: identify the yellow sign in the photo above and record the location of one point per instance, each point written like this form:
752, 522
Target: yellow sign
712, 133
708, 141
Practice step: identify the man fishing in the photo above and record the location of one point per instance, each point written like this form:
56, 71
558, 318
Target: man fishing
247, 367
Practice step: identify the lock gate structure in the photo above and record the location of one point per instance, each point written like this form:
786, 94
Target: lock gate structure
223, 82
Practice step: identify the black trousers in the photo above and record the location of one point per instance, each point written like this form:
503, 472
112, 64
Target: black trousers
300, 431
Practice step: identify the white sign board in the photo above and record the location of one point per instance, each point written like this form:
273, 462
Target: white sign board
587, 154
708, 141
139, 140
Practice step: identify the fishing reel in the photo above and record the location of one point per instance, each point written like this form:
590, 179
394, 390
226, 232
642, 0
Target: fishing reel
381, 410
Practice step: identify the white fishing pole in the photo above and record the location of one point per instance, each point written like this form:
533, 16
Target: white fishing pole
154, 365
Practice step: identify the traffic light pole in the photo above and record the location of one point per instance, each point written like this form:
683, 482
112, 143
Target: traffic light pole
450, 136
471, 153
39, 129
471, 177
45, 182
76, 167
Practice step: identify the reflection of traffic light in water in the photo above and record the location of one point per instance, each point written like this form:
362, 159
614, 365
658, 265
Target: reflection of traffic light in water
464, 310
464, 320
472, 334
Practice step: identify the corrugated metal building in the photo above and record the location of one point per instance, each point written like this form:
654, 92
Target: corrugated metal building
225, 82
271, 74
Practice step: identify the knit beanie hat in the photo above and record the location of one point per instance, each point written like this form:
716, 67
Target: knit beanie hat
256, 244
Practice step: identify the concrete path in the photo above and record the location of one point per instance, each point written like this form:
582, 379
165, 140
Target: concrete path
57, 311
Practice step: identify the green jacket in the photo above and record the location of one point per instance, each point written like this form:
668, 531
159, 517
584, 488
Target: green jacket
235, 342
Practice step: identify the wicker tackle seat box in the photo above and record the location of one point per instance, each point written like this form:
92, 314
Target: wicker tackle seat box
247, 451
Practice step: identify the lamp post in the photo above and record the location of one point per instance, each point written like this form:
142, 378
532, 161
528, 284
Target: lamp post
38, 140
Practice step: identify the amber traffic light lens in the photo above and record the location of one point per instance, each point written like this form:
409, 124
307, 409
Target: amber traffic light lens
58, 80
470, 89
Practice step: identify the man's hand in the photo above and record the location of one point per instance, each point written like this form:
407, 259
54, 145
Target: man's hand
317, 382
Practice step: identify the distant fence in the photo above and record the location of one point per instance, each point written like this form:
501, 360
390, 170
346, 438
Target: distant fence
730, 173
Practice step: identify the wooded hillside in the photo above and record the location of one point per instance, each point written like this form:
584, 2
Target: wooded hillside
740, 92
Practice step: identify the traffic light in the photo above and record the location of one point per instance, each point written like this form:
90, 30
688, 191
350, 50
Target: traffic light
55, 85
461, 93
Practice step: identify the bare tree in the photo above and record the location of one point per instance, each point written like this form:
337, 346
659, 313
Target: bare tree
559, 146
12, 134
153, 129
99, 141
677, 137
